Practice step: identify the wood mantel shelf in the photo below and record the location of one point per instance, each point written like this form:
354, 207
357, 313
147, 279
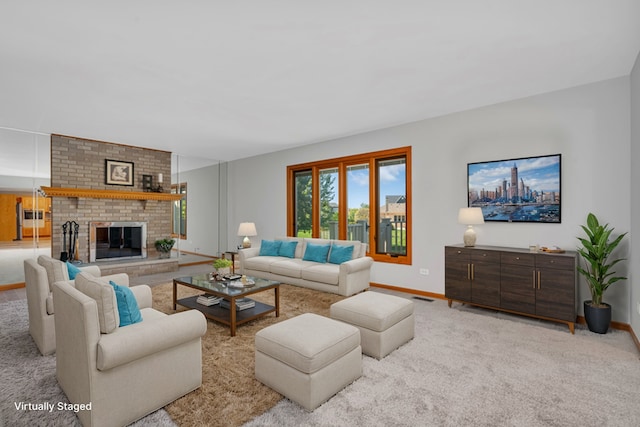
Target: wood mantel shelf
88, 193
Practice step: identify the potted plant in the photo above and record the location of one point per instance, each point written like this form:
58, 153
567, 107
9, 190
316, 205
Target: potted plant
222, 266
164, 247
596, 249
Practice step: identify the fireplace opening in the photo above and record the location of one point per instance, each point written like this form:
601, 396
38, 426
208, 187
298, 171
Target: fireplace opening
117, 240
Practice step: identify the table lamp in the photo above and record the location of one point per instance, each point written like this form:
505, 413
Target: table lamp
470, 217
247, 229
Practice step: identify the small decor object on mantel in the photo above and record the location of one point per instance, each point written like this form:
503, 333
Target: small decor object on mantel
148, 186
164, 246
597, 247
147, 182
118, 173
222, 266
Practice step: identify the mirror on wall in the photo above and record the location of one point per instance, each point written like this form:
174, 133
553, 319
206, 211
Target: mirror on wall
198, 219
25, 215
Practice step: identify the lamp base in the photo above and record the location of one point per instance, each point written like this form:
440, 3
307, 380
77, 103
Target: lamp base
246, 243
469, 237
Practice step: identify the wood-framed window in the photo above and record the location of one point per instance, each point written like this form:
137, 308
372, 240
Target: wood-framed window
333, 199
179, 212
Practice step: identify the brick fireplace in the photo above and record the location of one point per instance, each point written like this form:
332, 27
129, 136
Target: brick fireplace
80, 164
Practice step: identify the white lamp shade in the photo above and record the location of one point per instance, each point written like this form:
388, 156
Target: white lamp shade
470, 216
247, 229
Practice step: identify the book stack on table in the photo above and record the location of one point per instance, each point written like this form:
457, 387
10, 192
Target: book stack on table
208, 300
241, 303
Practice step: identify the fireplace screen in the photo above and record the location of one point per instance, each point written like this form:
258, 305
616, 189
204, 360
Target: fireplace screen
117, 240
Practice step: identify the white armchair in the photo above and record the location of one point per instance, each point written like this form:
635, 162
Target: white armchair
131, 371
39, 278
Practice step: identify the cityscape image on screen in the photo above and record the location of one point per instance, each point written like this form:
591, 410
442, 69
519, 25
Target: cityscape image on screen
516, 190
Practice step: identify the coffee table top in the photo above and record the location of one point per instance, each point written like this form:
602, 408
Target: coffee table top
226, 288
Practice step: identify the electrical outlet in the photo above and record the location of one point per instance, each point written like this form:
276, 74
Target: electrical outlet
639, 308
424, 271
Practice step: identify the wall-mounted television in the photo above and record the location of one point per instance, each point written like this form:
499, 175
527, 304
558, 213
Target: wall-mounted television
525, 189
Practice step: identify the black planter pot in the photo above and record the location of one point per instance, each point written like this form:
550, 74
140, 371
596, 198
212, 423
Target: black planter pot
598, 318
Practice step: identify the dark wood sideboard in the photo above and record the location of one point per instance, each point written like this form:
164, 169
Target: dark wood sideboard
540, 284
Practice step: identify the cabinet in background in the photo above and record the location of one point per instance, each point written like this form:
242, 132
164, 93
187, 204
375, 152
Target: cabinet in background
472, 275
36, 215
514, 280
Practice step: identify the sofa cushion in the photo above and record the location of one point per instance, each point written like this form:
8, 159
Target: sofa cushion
105, 297
128, 309
358, 247
261, 263
316, 253
56, 269
270, 247
299, 247
340, 254
290, 267
72, 270
323, 273
288, 248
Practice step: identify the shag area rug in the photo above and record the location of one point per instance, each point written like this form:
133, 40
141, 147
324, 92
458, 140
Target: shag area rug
230, 395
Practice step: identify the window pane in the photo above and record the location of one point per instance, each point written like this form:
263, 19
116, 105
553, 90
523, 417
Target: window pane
302, 204
179, 211
329, 203
392, 198
364, 197
358, 200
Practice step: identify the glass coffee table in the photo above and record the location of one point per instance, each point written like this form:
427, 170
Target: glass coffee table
231, 292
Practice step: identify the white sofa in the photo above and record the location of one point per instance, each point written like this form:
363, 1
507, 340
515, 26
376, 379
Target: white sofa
123, 372
39, 277
347, 278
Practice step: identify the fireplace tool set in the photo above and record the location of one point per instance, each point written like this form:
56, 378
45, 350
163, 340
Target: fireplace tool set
72, 253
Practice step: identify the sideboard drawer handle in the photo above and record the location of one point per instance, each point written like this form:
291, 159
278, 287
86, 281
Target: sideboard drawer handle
517, 257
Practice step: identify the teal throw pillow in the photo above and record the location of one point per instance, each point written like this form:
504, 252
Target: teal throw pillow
270, 247
127, 305
288, 248
73, 271
316, 253
340, 254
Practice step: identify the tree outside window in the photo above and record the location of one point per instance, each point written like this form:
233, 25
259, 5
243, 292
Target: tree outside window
334, 198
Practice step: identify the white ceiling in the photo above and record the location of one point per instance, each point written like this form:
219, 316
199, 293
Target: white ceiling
232, 79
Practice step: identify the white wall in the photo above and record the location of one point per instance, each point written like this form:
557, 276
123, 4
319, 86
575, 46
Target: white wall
589, 125
634, 258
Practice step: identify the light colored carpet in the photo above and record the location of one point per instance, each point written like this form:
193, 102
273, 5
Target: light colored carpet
27, 376
467, 367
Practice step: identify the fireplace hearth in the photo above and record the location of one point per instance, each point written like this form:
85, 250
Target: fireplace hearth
117, 240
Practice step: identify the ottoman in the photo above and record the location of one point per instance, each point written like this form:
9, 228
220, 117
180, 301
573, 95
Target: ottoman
385, 321
308, 358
